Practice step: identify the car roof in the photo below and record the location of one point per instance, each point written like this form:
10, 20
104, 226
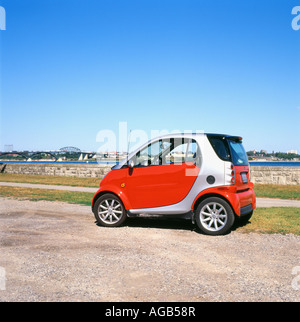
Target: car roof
190, 134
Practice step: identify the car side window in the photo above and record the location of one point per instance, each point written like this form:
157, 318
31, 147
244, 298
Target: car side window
168, 151
151, 154
184, 150
194, 153
177, 152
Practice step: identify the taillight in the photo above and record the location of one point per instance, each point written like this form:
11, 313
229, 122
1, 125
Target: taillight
232, 174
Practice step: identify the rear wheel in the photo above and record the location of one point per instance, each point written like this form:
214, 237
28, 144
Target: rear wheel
109, 211
214, 216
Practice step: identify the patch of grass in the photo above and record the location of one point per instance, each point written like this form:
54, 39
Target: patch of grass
277, 191
281, 220
82, 198
50, 180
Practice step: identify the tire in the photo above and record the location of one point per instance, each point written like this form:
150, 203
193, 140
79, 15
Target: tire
109, 211
214, 216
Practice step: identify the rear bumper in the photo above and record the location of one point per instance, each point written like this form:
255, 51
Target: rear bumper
246, 210
244, 202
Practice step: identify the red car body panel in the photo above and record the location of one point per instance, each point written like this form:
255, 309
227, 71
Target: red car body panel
159, 186
148, 187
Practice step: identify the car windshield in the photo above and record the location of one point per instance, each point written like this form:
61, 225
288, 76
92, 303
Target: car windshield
238, 154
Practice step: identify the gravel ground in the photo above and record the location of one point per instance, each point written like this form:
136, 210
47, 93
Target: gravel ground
53, 251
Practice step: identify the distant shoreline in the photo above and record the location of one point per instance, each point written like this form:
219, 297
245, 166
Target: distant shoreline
275, 163
254, 163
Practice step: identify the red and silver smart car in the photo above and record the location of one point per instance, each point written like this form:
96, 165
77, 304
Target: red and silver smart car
204, 176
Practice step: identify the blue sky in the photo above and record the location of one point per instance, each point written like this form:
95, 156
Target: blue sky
71, 68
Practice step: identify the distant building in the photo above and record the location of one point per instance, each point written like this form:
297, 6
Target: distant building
292, 152
253, 151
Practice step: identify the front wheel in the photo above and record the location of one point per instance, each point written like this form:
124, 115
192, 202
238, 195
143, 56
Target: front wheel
214, 216
109, 211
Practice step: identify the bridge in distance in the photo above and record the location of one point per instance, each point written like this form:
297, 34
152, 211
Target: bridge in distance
55, 155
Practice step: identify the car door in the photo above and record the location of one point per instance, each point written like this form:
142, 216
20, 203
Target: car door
163, 173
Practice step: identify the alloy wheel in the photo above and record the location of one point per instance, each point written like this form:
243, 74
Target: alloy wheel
110, 211
213, 216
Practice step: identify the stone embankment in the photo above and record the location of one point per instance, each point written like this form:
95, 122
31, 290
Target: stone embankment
259, 174
276, 175
65, 170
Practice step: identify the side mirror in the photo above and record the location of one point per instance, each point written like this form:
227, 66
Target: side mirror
130, 164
